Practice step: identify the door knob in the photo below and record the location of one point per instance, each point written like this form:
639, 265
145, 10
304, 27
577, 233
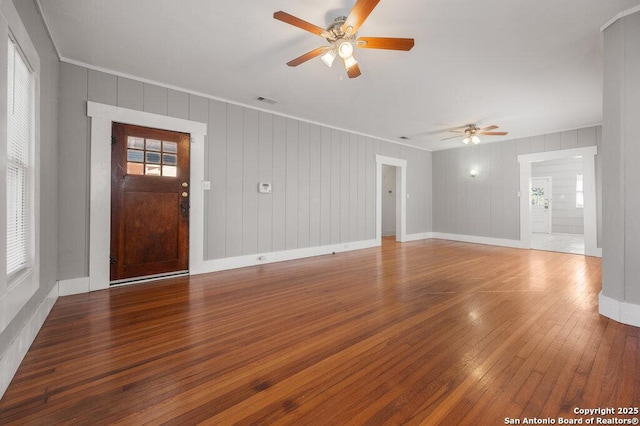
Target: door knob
185, 194
185, 184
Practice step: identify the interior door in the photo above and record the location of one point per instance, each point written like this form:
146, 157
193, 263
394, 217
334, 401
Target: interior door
149, 202
541, 205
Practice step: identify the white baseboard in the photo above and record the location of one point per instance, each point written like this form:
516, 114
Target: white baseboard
10, 360
73, 286
478, 240
278, 256
419, 236
626, 313
598, 252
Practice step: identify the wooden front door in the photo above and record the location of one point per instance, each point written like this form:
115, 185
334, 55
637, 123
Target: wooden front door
149, 202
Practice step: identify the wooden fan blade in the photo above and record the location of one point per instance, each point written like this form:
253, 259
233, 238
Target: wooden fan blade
486, 129
297, 22
457, 131
309, 55
353, 71
385, 43
494, 133
358, 14
451, 137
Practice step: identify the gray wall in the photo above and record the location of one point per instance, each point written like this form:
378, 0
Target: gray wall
49, 65
488, 205
323, 179
621, 203
566, 218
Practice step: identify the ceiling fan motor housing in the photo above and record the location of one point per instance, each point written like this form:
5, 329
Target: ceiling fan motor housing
335, 30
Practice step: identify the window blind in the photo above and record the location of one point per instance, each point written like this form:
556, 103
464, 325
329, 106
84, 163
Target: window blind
19, 142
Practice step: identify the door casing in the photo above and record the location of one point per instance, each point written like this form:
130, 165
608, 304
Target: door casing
102, 116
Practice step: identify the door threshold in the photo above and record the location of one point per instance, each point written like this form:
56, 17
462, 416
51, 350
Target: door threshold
147, 278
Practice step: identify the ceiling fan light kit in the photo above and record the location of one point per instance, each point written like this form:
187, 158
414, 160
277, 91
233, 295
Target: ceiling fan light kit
471, 132
345, 49
329, 57
342, 37
473, 139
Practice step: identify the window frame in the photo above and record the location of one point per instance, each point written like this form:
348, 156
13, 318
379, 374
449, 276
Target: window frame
17, 289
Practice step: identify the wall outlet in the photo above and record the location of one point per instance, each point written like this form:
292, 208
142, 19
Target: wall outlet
206, 185
264, 188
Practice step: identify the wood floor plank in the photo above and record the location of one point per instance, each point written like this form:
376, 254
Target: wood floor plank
427, 332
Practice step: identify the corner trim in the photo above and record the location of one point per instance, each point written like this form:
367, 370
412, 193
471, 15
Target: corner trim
623, 312
419, 236
10, 360
478, 240
619, 16
73, 286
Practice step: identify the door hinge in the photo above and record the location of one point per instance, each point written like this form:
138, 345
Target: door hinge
113, 140
112, 260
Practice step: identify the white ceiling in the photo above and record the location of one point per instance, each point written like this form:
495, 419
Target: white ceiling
530, 67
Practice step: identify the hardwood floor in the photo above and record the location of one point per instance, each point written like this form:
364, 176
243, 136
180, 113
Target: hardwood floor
427, 332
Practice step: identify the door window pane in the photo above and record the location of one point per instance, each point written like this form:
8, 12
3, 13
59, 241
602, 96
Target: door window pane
151, 157
135, 169
152, 170
153, 145
537, 196
135, 156
169, 146
133, 142
169, 171
170, 159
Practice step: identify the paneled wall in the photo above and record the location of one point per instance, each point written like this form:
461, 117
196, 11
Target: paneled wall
488, 205
323, 179
565, 216
620, 297
19, 331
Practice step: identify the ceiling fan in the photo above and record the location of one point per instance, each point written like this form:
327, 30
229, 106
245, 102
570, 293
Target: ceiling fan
471, 132
342, 37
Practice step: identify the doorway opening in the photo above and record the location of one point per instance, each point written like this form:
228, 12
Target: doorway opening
569, 201
388, 201
557, 205
400, 199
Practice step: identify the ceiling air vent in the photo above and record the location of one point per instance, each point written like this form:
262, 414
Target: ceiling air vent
265, 100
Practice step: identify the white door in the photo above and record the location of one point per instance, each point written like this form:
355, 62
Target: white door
541, 204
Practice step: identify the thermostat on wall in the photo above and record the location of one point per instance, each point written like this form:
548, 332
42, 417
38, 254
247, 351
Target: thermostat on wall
264, 188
